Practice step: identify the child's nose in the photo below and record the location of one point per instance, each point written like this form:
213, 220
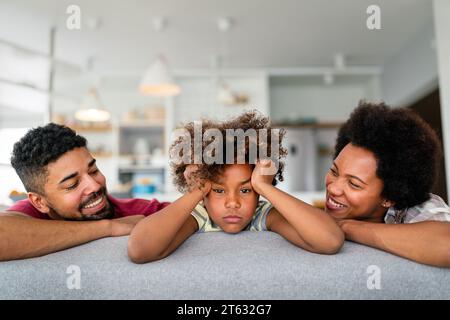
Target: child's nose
232, 201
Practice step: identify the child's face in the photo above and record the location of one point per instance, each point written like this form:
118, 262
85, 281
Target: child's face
231, 203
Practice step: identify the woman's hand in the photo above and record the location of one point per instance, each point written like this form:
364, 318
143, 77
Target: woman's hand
195, 183
263, 174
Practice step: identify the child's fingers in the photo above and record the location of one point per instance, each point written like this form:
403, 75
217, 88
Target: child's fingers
267, 167
266, 162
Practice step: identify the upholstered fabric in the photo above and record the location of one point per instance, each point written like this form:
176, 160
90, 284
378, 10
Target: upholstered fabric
215, 265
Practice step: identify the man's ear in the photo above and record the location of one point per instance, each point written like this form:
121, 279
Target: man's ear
38, 202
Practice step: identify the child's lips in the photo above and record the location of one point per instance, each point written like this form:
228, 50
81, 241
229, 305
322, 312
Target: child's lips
232, 219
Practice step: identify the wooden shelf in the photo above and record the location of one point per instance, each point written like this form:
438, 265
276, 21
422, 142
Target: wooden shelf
134, 168
105, 128
142, 124
318, 125
102, 154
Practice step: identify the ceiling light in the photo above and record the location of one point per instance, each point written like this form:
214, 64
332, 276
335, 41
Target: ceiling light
158, 81
91, 109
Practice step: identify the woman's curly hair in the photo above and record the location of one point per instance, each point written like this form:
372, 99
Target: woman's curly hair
405, 146
248, 120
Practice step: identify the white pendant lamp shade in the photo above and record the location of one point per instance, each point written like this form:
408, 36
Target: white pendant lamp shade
157, 80
91, 109
225, 96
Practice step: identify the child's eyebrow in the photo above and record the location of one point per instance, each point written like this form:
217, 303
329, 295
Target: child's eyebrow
221, 182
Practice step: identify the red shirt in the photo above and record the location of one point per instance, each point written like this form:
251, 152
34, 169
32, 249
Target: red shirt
122, 207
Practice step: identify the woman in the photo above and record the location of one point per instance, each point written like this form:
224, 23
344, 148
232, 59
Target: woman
378, 187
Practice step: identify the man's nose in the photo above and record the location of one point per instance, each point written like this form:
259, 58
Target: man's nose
91, 185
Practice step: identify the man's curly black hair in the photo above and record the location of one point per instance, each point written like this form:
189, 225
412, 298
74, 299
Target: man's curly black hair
39, 147
405, 146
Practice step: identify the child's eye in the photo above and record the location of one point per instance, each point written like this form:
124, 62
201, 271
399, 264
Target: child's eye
246, 190
95, 171
218, 190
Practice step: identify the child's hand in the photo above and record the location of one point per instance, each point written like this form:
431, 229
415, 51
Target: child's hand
263, 173
194, 183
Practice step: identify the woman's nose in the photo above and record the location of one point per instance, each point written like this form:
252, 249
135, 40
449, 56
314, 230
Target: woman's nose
335, 187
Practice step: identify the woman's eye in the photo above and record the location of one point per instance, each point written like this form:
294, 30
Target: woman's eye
333, 172
355, 185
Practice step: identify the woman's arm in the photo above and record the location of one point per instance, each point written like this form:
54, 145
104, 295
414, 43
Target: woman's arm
300, 223
426, 242
158, 235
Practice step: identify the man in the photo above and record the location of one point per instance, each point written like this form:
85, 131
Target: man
67, 202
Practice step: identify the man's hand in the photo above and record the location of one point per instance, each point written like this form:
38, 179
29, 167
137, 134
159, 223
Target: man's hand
261, 176
194, 183
123, 226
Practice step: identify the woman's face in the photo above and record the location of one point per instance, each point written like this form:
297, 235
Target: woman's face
231, 203
353, 190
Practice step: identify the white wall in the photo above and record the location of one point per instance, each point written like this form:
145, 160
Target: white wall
412, 73
22, 26
199, 97
442, 25
305, 97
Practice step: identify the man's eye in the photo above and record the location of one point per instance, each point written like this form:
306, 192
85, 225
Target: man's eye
218, 190
72, 186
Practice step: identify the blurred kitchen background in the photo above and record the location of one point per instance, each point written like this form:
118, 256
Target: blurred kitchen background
124, 74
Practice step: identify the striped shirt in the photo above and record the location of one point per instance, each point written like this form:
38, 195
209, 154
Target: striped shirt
258, 223
433, 209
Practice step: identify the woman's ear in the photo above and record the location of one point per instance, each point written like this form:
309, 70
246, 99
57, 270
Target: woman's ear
38, 202
387, 203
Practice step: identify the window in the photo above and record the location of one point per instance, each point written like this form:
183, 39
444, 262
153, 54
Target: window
10, 180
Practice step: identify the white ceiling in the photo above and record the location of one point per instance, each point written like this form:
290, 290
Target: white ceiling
266, 33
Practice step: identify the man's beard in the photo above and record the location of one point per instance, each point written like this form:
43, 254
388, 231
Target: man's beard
106, 213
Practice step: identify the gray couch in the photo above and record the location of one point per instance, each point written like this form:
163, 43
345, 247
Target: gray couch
249, 265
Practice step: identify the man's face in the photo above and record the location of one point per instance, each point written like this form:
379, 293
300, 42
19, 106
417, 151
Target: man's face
75, 188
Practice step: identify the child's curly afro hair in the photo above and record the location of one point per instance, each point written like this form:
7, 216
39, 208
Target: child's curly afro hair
248, 120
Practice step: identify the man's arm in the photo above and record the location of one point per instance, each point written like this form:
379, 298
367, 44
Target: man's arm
22, 236
426, 242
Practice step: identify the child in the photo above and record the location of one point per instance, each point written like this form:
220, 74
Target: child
222, 196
